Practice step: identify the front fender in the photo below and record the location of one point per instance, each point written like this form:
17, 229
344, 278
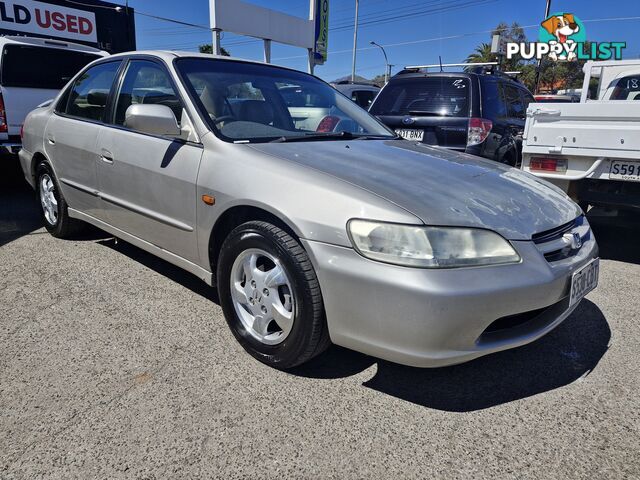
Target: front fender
314, 205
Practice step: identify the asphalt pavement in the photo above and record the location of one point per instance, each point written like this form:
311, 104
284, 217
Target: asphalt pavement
115, 364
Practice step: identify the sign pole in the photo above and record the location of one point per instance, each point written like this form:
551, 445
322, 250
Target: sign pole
267, 50
355, 42
215, 44
312, 60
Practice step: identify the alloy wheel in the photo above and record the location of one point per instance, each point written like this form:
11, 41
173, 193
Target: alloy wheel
48, 199
262, 296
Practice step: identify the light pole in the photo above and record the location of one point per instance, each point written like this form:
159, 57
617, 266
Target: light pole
387, 72
355, 42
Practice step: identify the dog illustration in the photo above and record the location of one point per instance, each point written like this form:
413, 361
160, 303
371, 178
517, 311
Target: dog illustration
561, 27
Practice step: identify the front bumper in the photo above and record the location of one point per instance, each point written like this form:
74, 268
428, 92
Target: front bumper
432, 318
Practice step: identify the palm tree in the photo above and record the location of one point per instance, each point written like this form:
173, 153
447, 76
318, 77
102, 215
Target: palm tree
481, 54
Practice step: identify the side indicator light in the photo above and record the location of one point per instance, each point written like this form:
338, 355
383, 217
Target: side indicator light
209, 199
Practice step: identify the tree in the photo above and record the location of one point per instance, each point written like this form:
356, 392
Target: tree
378, 80
482, 54
207, 48
554, 75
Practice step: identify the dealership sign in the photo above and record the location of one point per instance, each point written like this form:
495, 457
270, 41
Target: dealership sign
39, 18
562, 36
321, 31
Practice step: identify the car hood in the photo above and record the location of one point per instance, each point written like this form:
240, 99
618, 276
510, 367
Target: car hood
439, 186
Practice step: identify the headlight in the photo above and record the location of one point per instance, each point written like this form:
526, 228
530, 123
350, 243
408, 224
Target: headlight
429, 247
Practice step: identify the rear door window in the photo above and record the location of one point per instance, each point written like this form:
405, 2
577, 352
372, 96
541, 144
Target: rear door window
39, 67
89, 93
515, 104
493, 105
430, 96
527, 98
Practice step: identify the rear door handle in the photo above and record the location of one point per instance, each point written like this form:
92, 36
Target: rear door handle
106, 156
51, 140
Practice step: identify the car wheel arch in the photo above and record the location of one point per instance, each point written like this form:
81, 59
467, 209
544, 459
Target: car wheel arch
36, 160
235, 216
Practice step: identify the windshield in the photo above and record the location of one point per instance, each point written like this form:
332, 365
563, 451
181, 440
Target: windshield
431, 96
247, 102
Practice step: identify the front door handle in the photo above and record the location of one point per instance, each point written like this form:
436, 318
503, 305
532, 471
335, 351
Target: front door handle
106, 156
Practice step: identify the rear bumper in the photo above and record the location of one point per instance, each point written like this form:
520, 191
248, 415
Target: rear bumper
8, 147
432, 318
10, 143
25, 162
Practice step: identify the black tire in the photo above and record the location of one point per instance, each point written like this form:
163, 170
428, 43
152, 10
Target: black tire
63, 226
509, 159
308, 336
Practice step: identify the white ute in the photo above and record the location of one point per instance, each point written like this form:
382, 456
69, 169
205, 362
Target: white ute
591, 149
32, 71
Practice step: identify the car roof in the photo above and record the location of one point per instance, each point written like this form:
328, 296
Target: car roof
169, 55
482, 76
355, 86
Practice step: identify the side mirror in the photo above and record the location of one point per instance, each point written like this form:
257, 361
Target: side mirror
152, 119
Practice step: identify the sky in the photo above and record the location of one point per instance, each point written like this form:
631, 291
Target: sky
412, 31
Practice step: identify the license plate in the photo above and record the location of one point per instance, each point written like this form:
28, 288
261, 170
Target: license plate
629, 171
410, 133
584, 280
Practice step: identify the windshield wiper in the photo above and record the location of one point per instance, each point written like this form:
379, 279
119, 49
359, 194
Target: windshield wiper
315, 136
376, 137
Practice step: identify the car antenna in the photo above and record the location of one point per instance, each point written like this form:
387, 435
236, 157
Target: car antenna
440, 58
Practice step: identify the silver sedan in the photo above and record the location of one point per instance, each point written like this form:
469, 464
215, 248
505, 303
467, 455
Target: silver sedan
315, 222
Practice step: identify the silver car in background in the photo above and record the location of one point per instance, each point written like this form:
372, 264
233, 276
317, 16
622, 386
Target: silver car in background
342, 233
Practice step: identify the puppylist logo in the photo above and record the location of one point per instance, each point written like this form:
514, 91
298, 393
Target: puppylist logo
562, 36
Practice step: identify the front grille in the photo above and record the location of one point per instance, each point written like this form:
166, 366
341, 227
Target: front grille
557, 232
556, 245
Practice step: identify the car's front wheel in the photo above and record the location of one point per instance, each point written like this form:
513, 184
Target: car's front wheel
270, 295
54, 207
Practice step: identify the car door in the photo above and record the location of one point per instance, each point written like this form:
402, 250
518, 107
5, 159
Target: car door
516, 116
148, 182
494, 108
72, 132
527, 98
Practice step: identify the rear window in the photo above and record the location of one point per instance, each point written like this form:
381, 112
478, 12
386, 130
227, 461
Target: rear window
39, 67
363, 97
431, 96
627, 88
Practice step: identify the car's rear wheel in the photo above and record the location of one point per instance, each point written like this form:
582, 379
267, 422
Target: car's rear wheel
54, 207
270, 295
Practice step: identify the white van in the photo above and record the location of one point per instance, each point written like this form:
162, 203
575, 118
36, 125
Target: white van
32, 71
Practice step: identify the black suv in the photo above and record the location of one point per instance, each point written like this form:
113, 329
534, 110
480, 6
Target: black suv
481, 112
